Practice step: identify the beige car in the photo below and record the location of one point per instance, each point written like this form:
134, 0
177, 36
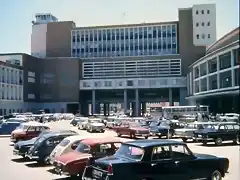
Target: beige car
68, 144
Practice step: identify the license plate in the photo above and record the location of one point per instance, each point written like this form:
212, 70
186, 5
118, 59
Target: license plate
97, 173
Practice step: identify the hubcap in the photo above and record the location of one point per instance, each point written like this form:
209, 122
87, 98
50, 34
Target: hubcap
216, 175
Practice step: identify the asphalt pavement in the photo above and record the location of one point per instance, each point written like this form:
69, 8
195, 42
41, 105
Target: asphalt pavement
14, 167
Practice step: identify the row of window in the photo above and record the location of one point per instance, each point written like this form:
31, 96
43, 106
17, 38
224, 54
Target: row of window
225, 81
124, 33
202, 11
203, 23
11, 75
11, 92
203, 36
21, 110
224, 62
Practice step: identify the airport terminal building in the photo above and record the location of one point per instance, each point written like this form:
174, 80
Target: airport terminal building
80, 68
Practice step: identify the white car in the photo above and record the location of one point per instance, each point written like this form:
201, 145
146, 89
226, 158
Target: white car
95, 124
68, 144
230, 117
82, 124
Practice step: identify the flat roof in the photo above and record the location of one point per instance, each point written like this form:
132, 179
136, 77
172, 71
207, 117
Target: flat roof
153, 142
126, 25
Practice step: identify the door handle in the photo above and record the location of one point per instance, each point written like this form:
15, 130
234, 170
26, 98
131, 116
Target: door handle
153, 164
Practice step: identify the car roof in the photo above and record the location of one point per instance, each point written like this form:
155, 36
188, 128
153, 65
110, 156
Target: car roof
33, 123
93, 141
75, 137
58, 133
153, 142
11, 122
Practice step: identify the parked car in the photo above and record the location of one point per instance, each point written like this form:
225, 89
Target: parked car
73, 163
44, 146
228, 117
224, 131
6, 128
187, 132
157, 159
95, 125
27, 131
131, 129
67, 145
76, 120
22, 147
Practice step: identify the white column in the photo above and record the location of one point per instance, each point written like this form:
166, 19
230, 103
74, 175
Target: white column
232, 71
207, 69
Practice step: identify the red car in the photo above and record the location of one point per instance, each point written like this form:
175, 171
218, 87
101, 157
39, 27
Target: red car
28, 131
131, 129
73, 163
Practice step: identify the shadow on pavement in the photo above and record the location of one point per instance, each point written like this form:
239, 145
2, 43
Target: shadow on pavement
36, 165
21, 160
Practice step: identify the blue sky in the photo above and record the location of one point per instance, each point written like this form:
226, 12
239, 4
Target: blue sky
16, 15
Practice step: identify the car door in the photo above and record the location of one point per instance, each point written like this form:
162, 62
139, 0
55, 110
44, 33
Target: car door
31, 132
162, 165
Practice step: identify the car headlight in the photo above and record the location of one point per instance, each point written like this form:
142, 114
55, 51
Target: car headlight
35, 152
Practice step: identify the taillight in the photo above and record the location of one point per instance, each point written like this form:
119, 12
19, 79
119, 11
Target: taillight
110, 169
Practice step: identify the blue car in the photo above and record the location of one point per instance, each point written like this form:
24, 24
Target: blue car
6, 128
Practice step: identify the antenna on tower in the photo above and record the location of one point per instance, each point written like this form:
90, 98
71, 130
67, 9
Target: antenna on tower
123, 17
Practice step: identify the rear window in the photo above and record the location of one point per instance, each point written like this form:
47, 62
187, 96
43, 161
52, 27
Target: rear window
83, 148
64, 143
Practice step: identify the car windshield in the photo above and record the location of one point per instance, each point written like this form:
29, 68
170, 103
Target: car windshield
83, 148
64, 142
23, 127
130, 152
40, 139
134, 125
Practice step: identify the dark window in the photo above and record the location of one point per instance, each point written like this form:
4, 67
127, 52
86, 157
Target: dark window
209, 36
213, 82
202, 11
196, 12
225, 79
202, 23
196, 83
225, 60
208, 23
129, 83
203, 69
212, 65
236, 56
196, 72
73, 39
236, 73
203, 36
197, 24
204, 84
208, 11
197, 36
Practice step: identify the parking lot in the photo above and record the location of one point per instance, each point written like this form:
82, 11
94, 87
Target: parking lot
14, 167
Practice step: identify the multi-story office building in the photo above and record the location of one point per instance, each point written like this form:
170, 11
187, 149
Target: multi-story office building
214, 78
11, 84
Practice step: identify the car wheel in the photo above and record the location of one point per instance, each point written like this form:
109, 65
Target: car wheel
103, 131
204, 143
118, 134
159, 136
184, 139
91, 130
132, 136
146, 137
218, 141
169, 135
216, 175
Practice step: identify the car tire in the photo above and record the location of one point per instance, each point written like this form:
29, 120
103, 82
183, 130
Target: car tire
204, 142
159, 136
103, 131
218, 141
118, 134
132, 136
216, 175
170, 135
184, 139
146, 137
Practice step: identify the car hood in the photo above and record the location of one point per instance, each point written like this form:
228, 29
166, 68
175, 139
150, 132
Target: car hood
18, 131
58, 151
27, 143
97, 124
184, 130
202, 131
139, 128
72, 156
